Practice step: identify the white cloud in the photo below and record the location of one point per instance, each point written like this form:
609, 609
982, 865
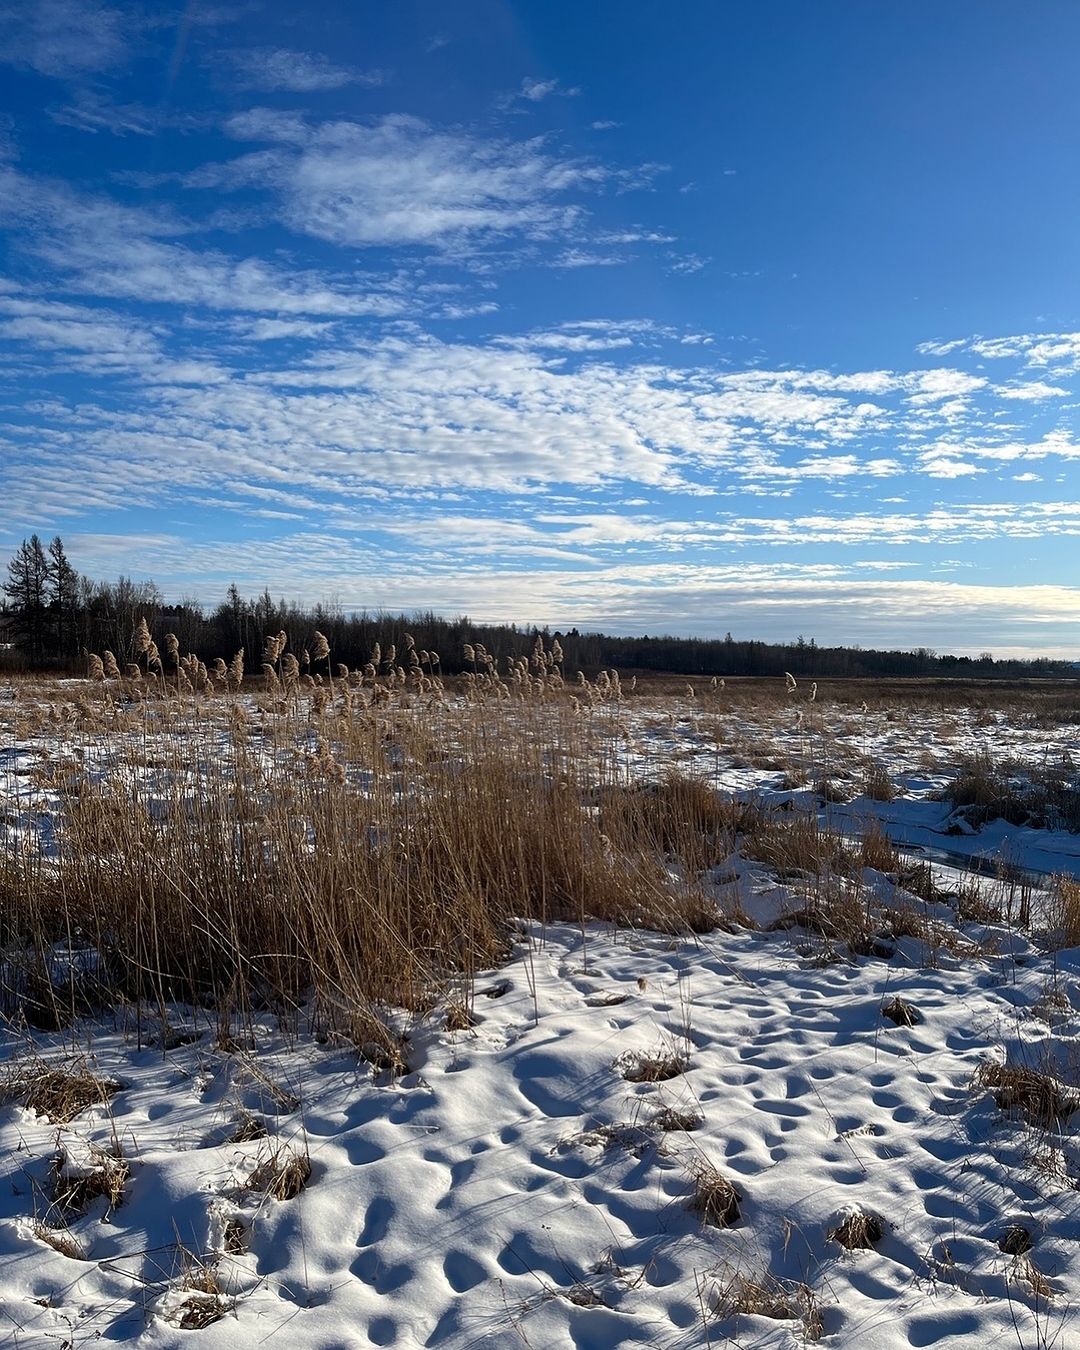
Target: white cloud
941, 348
272, 330
946, 466
1055, 445
931, 386
536, 90
92, 111
580, 257
398, 181
1037, 349
687, 264
102, 248
1033, 392
156, 272
61, 37
280, 68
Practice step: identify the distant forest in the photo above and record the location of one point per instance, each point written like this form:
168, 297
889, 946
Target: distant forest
52, 618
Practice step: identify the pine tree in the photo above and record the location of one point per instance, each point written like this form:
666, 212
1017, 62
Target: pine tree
26, 589
63, 601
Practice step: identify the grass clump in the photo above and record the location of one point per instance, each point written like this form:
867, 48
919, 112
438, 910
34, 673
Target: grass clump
78, 1183
763, 1295
714, 1199
1043, 1099
247, 1128
199, 1310
458, 1016
1016, 1240
61, 1240
1063, 912
57, 1092
900, 1012
857, 1231
386, 868
877, 785
652, 1066
795, 846
201, 1301
671, 1119
280, 1174
877, 851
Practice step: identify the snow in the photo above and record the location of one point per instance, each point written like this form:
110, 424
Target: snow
476, 1199
512, 1188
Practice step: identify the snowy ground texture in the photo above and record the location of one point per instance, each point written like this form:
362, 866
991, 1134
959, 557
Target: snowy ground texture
515, 1187
518, 1186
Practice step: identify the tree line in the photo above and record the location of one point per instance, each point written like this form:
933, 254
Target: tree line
52, 617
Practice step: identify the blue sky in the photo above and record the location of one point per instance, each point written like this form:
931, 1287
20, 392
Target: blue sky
759, 317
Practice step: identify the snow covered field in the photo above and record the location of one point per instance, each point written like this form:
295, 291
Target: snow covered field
615, 1136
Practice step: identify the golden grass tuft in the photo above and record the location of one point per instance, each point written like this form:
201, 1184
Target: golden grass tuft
58, 1092
246, 1128
458, 1017
76, 1185
714, 1199
281, 1173
199, 1310
1063, 912
1043, 1099
652, 1066
270, 888
61, 1240
763, 1295
876, 850
877, 785
671, 1119
857, 1231
900, 1012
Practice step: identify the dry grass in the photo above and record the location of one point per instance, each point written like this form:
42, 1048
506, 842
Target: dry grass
1063, 912
670, 1119
458, 1017
76, 1185
246, 1128
795, 846
875, 850
199, 1310
1016, 1240
900, 1012
1045, 1101
1039, 793
877, 785
763, 1295
205, 1301
384, 1049
620, 1136
857, 1231
977, 783
280, 1173
235, 1238
837, 914
371, 841
652, 1066
60, 1239
714, 1199
1025, 1269
377, 869
57, 1092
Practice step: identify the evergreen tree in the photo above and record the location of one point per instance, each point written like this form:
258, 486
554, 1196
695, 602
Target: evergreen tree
26, 590
62, 592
